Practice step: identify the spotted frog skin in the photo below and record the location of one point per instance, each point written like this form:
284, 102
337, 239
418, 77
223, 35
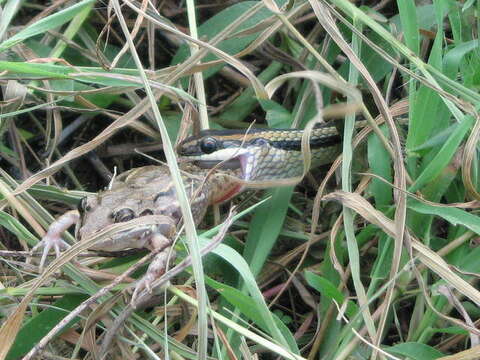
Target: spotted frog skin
148, 190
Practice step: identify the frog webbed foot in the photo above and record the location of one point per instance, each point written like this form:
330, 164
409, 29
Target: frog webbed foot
53, 239
156, 268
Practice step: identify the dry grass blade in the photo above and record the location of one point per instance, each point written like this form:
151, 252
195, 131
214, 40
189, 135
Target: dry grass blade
133, 33
361, 338
470, 354
426, 256
400, 173
82, 93
467, 161
454, 301
14, 97
197, 77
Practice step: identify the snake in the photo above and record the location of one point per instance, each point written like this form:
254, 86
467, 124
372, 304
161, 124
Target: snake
264, 155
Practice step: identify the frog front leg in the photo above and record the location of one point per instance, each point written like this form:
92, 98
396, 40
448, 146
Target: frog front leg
53, 237
156, 268
157, 238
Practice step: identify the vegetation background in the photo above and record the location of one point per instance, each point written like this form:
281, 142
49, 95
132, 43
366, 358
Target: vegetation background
384, 266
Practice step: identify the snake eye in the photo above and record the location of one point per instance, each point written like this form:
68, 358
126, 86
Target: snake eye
123, 215
208, 145
83, 206
259, 142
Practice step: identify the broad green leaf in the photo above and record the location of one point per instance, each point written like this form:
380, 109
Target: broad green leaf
17, 228
277, 116
53, 193
250, 308
381, 165
415, 351
408, 16
468, 259
244, 105
443, 157
455, 18
40, 70
425, 16
38, 326
456, 330
265, 227
237, 262
329, 290
455, 55
436, 140
454, 216
427, 112
7, 13
7, 151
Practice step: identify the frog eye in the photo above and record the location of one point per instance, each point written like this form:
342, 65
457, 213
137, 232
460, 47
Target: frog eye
83, 206
259, 142
208, 145
123, 215
163, 194
146, 212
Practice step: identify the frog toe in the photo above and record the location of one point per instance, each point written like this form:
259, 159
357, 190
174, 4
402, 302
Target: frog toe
47, 243
156, 269
53, 238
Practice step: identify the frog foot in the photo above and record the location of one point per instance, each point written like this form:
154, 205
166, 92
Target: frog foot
53, 239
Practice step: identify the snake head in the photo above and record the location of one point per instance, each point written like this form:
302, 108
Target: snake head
230, 149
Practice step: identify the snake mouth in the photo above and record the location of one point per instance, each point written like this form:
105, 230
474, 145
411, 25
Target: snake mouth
238, 163
232, 164
227, 159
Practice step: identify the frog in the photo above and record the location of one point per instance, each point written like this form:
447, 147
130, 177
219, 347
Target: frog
148, 190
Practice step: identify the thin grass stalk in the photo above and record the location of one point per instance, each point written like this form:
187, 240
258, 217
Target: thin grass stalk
191, 234
200, 94
198, 76
353, 251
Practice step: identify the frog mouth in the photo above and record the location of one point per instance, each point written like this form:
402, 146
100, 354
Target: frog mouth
115, 242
